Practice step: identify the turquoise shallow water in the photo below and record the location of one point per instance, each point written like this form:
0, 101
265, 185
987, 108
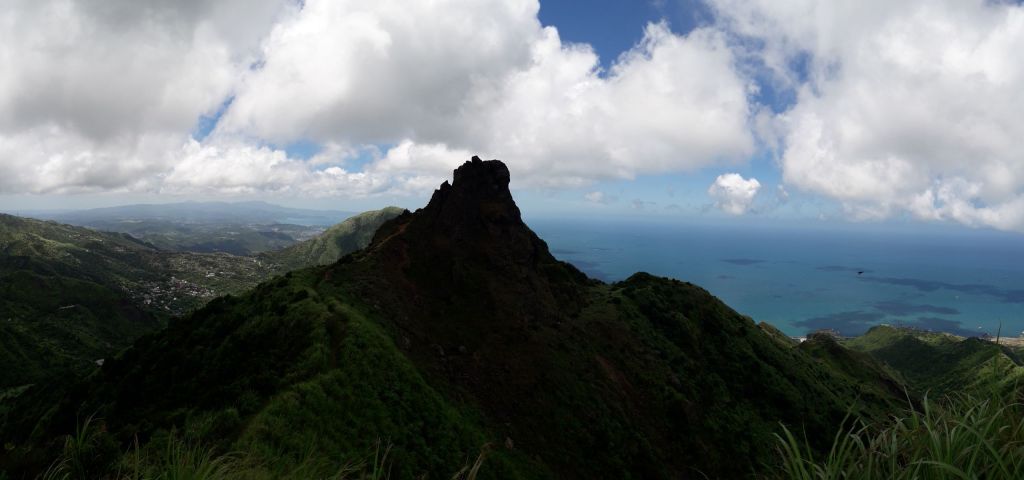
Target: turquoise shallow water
802, 279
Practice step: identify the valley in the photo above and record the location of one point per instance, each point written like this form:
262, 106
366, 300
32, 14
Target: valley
71, 296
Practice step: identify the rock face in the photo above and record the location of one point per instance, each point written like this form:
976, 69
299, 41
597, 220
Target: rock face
475, 184
472, 290
477, 216
472, 216
470, 245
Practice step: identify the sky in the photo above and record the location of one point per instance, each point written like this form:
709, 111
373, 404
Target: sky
863, 111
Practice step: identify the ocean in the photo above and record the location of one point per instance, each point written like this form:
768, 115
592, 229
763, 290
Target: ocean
847, 278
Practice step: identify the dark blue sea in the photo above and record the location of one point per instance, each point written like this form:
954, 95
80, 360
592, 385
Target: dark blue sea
847, 277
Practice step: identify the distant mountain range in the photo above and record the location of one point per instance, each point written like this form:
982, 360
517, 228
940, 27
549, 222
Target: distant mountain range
241, 228
223, 213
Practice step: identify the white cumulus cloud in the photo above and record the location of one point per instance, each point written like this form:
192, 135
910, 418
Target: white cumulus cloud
907, 107
910, 106
734, 194
486, 77
100, 96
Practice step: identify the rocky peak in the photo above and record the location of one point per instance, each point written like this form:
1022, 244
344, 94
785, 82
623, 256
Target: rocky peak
487, 178
478, 195
470, 243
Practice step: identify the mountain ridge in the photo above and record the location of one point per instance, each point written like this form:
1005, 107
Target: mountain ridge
453, 329
353, 233
941, 363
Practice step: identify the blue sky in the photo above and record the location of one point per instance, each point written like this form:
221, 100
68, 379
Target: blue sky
865, 112
614, 26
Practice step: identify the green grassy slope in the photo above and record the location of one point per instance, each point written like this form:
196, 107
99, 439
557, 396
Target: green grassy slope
70, 296
63, 299
168, 283
942, 363
280, 372
337, 241
297, 366
456, 329
873, 382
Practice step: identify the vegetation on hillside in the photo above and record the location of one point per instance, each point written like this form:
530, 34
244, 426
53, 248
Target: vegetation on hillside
454, 329
940, 363
241, 228
355, 233
63, 300
877, 383
163, 283
960, 437
71, 297
174, 456
974, 430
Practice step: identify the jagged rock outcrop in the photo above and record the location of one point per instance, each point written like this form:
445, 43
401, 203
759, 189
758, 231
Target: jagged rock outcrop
469, 245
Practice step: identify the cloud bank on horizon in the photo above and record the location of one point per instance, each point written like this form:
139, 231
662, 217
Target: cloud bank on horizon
898, 108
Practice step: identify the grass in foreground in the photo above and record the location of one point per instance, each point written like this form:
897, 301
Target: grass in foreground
185, 459
960, 437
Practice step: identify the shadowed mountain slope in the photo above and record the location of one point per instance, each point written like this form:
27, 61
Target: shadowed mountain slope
453, 329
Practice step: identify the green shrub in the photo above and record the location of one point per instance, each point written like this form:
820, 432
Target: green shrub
961, 437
